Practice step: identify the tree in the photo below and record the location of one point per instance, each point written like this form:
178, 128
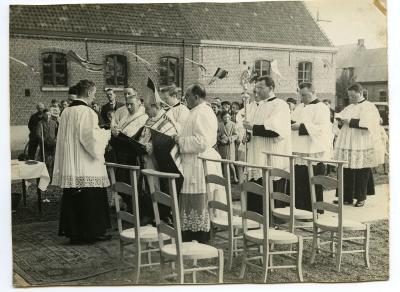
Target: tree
342, 83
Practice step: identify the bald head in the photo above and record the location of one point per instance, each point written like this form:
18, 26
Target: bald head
40, 107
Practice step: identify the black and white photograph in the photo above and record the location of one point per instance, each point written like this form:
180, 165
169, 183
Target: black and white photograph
168, 143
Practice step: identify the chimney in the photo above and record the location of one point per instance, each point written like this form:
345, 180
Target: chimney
360, 44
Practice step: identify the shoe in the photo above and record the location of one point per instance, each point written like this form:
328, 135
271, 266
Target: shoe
359, 203
104, 237
344, 202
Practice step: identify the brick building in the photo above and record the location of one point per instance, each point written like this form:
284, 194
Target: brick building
276, 38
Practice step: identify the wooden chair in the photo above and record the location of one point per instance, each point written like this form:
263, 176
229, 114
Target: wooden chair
266, 237
136, 235
179, 251
296, 218
336, 225
231, 221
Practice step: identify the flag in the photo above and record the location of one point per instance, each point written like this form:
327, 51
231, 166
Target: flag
219, 74
149, 66
152, 87
201, 66
25, 64
91, 67
274, 68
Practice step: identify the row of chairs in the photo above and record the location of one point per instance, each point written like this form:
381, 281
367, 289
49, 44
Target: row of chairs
259, 243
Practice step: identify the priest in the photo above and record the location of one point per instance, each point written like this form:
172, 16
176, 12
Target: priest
197, 137
80, 171
359, 143
311, 137
269, 125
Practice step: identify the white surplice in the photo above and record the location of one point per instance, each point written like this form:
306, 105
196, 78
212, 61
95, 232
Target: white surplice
180, 113
360, 147
198, 136
79, 158
315, 117
274, 114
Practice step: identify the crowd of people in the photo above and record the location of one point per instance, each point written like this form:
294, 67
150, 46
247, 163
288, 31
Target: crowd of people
145, 131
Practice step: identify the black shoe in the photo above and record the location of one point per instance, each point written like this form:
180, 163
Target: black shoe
104, 237
359, 203
344, 202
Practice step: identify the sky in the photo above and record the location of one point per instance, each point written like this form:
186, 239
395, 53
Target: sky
351, 20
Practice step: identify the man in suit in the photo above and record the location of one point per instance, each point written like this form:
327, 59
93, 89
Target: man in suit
32, 125
111, 105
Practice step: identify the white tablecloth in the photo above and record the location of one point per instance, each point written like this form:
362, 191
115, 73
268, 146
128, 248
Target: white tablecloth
21, 170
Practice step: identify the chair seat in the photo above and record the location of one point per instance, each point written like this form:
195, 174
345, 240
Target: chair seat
237, 222
331, 223
275, 236
298, 213
191, 250
147, 233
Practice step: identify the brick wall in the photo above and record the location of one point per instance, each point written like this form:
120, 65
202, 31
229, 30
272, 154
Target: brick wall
29, 50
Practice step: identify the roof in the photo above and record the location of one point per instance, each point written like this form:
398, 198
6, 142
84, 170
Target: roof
370, 65
287, 23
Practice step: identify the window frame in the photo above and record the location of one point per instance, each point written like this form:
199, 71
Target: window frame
176, 76
115, 77
260, 70
53, 68
304, 72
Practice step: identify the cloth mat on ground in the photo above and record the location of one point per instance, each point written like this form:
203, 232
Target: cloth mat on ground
41, 257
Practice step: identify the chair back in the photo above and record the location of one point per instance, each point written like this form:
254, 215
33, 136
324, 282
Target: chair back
327, 182
221, 181
169, 200
263, 191
129, 190
290, 178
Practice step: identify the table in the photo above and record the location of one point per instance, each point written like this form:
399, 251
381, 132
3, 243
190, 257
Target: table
20, 170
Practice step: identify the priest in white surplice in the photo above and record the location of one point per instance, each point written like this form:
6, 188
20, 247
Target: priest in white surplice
311, 137
359, 143
79, 169
270, 127
197, 137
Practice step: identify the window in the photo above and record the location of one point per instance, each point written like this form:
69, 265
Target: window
54, 69
169, 71
349, 72
382, 95
262, 67
304, 72
116, 70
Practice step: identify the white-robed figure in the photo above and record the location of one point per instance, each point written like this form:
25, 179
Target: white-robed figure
197, 137
311, 137
180, 111
80, 171
270, 127
359, 143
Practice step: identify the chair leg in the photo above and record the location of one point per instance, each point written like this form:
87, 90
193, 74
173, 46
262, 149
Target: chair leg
339, 252
212, 233
181, 274
244, 259
265, 258
220, 266
235, 242
194, 274
366, 245
230, 250
149, 246
333, 243
271, 259
138, 259
300, 259
314, 244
